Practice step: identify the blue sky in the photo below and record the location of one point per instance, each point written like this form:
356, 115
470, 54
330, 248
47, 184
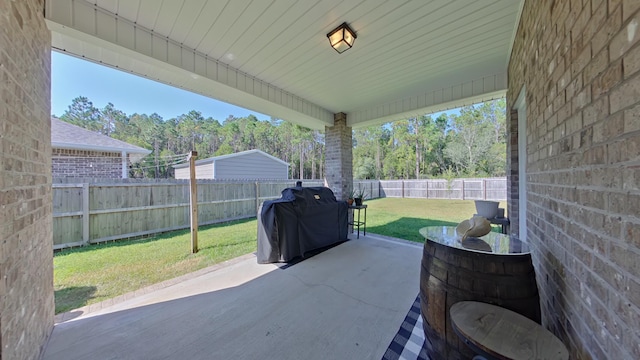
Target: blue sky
72, 77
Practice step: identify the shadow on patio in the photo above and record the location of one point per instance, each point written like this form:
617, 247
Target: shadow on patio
347, 302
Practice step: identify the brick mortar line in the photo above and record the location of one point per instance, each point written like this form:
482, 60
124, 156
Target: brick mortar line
604, 283
583, 206
587, 227
580, 317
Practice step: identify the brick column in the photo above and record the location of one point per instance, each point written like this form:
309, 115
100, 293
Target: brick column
26, 240
339, 157
513, 195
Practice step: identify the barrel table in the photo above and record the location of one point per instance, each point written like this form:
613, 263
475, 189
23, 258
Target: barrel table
494, 269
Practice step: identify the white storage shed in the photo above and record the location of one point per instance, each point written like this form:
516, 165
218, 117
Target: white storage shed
245, 165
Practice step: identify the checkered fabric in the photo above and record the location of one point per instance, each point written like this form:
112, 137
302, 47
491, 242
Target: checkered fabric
408, 344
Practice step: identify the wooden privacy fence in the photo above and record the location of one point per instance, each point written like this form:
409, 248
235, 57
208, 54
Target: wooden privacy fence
98, 212
86, 213
464, 189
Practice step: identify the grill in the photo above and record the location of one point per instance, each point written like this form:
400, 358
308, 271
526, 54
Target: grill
303, 220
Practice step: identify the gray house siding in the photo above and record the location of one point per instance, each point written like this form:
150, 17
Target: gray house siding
203, 171
252, 164
183, 173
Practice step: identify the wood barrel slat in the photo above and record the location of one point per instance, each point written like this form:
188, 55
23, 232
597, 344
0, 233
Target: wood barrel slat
449, 275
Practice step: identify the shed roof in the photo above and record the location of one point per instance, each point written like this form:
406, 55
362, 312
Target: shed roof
69, 136
228, 156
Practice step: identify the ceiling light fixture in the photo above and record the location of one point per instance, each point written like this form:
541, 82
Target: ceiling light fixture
342, 38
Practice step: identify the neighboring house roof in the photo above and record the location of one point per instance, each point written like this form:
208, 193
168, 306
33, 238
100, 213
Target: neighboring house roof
69, 136
221, 157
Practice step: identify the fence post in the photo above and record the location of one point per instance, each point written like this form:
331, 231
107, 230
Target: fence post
85, 214
402, 182
427, 189
193, 195
484, 189
257, 197
462, 189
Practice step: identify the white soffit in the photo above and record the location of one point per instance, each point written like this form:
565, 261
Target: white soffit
410, 58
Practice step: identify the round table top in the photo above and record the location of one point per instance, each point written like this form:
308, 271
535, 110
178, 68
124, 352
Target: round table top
493, 242
503, 334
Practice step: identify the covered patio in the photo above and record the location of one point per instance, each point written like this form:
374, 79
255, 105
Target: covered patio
570, 71
345, 303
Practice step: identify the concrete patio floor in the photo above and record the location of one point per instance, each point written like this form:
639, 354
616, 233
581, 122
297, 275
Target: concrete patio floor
345, 303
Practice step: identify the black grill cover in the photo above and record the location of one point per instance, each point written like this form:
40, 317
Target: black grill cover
302, 220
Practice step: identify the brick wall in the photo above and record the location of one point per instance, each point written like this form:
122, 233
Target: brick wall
512, 175
86, 164
26, 254
579, 62
339, 157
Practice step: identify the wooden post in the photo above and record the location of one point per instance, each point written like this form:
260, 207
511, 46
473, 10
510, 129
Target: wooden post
427, 181
194, 201
484, 189
85, 214
462, 189
257, 197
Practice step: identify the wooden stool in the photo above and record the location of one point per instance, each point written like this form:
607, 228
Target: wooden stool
498, 333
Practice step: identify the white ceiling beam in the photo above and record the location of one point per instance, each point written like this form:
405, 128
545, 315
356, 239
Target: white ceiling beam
469, 93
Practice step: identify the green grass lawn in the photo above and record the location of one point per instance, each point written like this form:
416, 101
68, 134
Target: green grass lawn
87, 275
402, 218
91, 274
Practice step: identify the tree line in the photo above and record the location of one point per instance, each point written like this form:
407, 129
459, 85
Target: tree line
471, 143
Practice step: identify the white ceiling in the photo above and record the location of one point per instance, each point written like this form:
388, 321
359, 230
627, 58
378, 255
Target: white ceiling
272, 56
